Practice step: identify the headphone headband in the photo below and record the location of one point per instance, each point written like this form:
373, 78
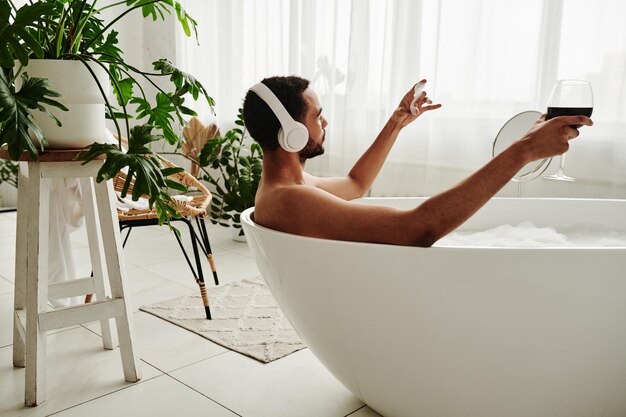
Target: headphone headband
277, 107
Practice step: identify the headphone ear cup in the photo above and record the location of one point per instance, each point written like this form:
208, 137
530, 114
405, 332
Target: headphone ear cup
295, 139
281, 139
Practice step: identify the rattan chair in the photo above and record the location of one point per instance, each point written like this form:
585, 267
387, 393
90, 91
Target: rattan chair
195, 210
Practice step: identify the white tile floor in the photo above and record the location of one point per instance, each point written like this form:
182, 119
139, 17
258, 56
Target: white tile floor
183, 374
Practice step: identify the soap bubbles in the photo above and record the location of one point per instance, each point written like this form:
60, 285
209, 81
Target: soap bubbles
527, 235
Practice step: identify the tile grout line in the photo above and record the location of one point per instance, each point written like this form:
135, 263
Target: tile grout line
352, 412
201, 360
175, 369
108, 393
6, 281
205, 396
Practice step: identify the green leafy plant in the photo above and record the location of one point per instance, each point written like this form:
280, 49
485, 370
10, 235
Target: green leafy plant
74, 30
238, 169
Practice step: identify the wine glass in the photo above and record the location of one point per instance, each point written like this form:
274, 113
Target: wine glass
569, 97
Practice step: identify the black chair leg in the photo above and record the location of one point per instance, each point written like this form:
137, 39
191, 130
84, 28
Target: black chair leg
130, 228
197, 271
207, 247
199, 277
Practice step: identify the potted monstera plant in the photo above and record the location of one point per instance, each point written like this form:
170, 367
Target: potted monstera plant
42, 44
236, 165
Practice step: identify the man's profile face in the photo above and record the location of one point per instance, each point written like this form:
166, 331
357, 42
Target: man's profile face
316, 124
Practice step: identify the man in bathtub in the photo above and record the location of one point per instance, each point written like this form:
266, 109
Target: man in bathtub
292, 201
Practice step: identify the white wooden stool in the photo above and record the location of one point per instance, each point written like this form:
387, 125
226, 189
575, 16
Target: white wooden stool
33, 314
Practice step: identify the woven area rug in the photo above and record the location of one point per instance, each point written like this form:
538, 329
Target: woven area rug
246, 319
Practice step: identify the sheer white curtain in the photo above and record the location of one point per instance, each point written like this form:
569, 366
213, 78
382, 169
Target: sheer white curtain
485, 60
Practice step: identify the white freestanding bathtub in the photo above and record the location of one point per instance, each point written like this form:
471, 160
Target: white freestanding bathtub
463, 331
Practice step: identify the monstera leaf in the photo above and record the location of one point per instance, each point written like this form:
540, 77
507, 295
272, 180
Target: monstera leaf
14, 112
17, 40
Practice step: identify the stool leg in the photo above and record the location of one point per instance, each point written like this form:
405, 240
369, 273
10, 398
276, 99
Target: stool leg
116, 269
109, 341
19, 301
36, 285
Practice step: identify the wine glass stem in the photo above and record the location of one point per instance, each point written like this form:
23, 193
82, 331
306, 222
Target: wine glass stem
561, 164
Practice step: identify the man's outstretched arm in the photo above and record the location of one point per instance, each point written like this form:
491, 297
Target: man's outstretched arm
367, 168
312, 212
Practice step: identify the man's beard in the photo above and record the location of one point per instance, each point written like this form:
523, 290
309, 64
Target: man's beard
312, 149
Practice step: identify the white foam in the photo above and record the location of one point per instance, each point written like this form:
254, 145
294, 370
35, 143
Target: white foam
526, 234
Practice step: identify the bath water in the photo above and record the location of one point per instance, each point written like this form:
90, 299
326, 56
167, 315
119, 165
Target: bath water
526, 234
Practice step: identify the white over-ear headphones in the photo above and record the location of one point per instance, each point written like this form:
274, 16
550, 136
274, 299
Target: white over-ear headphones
293, 136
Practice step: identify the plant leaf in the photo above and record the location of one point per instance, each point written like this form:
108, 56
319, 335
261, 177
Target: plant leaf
126, 91
161, 117
17, 41
109, 47
15, 116
183, 81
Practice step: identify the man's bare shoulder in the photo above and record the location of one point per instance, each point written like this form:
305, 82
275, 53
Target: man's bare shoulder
309, 211
284, 207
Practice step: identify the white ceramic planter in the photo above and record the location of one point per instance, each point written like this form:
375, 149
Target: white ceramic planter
84, 122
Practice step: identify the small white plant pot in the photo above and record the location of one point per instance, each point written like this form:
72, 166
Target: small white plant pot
237, 233
236, 236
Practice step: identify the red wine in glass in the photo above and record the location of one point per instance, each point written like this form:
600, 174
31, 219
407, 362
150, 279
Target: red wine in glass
569, 111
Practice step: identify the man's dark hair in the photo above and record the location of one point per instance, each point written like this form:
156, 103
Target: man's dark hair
261, 121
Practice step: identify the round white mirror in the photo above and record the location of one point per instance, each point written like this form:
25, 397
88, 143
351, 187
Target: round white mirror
513, 130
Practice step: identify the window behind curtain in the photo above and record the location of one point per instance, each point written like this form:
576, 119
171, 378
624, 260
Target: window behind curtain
485, 60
